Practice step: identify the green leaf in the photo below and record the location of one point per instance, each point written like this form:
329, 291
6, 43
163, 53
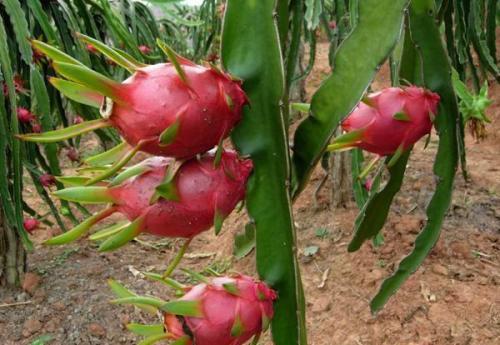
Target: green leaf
146, 330
54, 53
437, 77
65, 133
123, 237
80, 229
244, 243
110, 53
183, 308
86, 195
20, 26
154, 339
78, 92
108, 231
252, 53
354, 71
108, 157
89, 78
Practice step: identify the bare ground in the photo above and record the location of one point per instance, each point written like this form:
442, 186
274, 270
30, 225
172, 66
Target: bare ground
454, 298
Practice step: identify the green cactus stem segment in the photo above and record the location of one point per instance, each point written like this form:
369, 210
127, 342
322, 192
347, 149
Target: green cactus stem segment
117, 166
77, 92
54, 53
65, 133
80, 229
345, 141
177, 259
108, 157
110, 53
123, 237
85, 195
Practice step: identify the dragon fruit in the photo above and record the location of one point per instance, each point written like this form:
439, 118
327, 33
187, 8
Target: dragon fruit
177, 109
232, 311
389, 121
47, 180
24, 115
164, 200
223, 311
36, 127
30, 224
144, 49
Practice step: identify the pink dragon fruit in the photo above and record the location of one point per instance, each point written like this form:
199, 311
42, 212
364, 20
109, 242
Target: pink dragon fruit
176, 109
47, 180
36, 127
24, 115
78, 119
198, 195
232, 311
30, 224
73, 154
144, 49
390, 120
224, 311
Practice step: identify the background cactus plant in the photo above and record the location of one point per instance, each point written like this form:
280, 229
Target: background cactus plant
265, 59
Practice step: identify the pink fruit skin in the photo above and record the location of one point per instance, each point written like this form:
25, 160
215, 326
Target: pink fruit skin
253, 302
47, 180
144, 49
381, 133
155, 97
36, 127
24, 115
201, 188
30, 224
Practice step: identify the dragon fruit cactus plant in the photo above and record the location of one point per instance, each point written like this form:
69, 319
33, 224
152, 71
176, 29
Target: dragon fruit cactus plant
164, 198
223, 311
177, 109
389, 122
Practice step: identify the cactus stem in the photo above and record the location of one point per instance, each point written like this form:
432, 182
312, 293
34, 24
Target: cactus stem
177, 259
